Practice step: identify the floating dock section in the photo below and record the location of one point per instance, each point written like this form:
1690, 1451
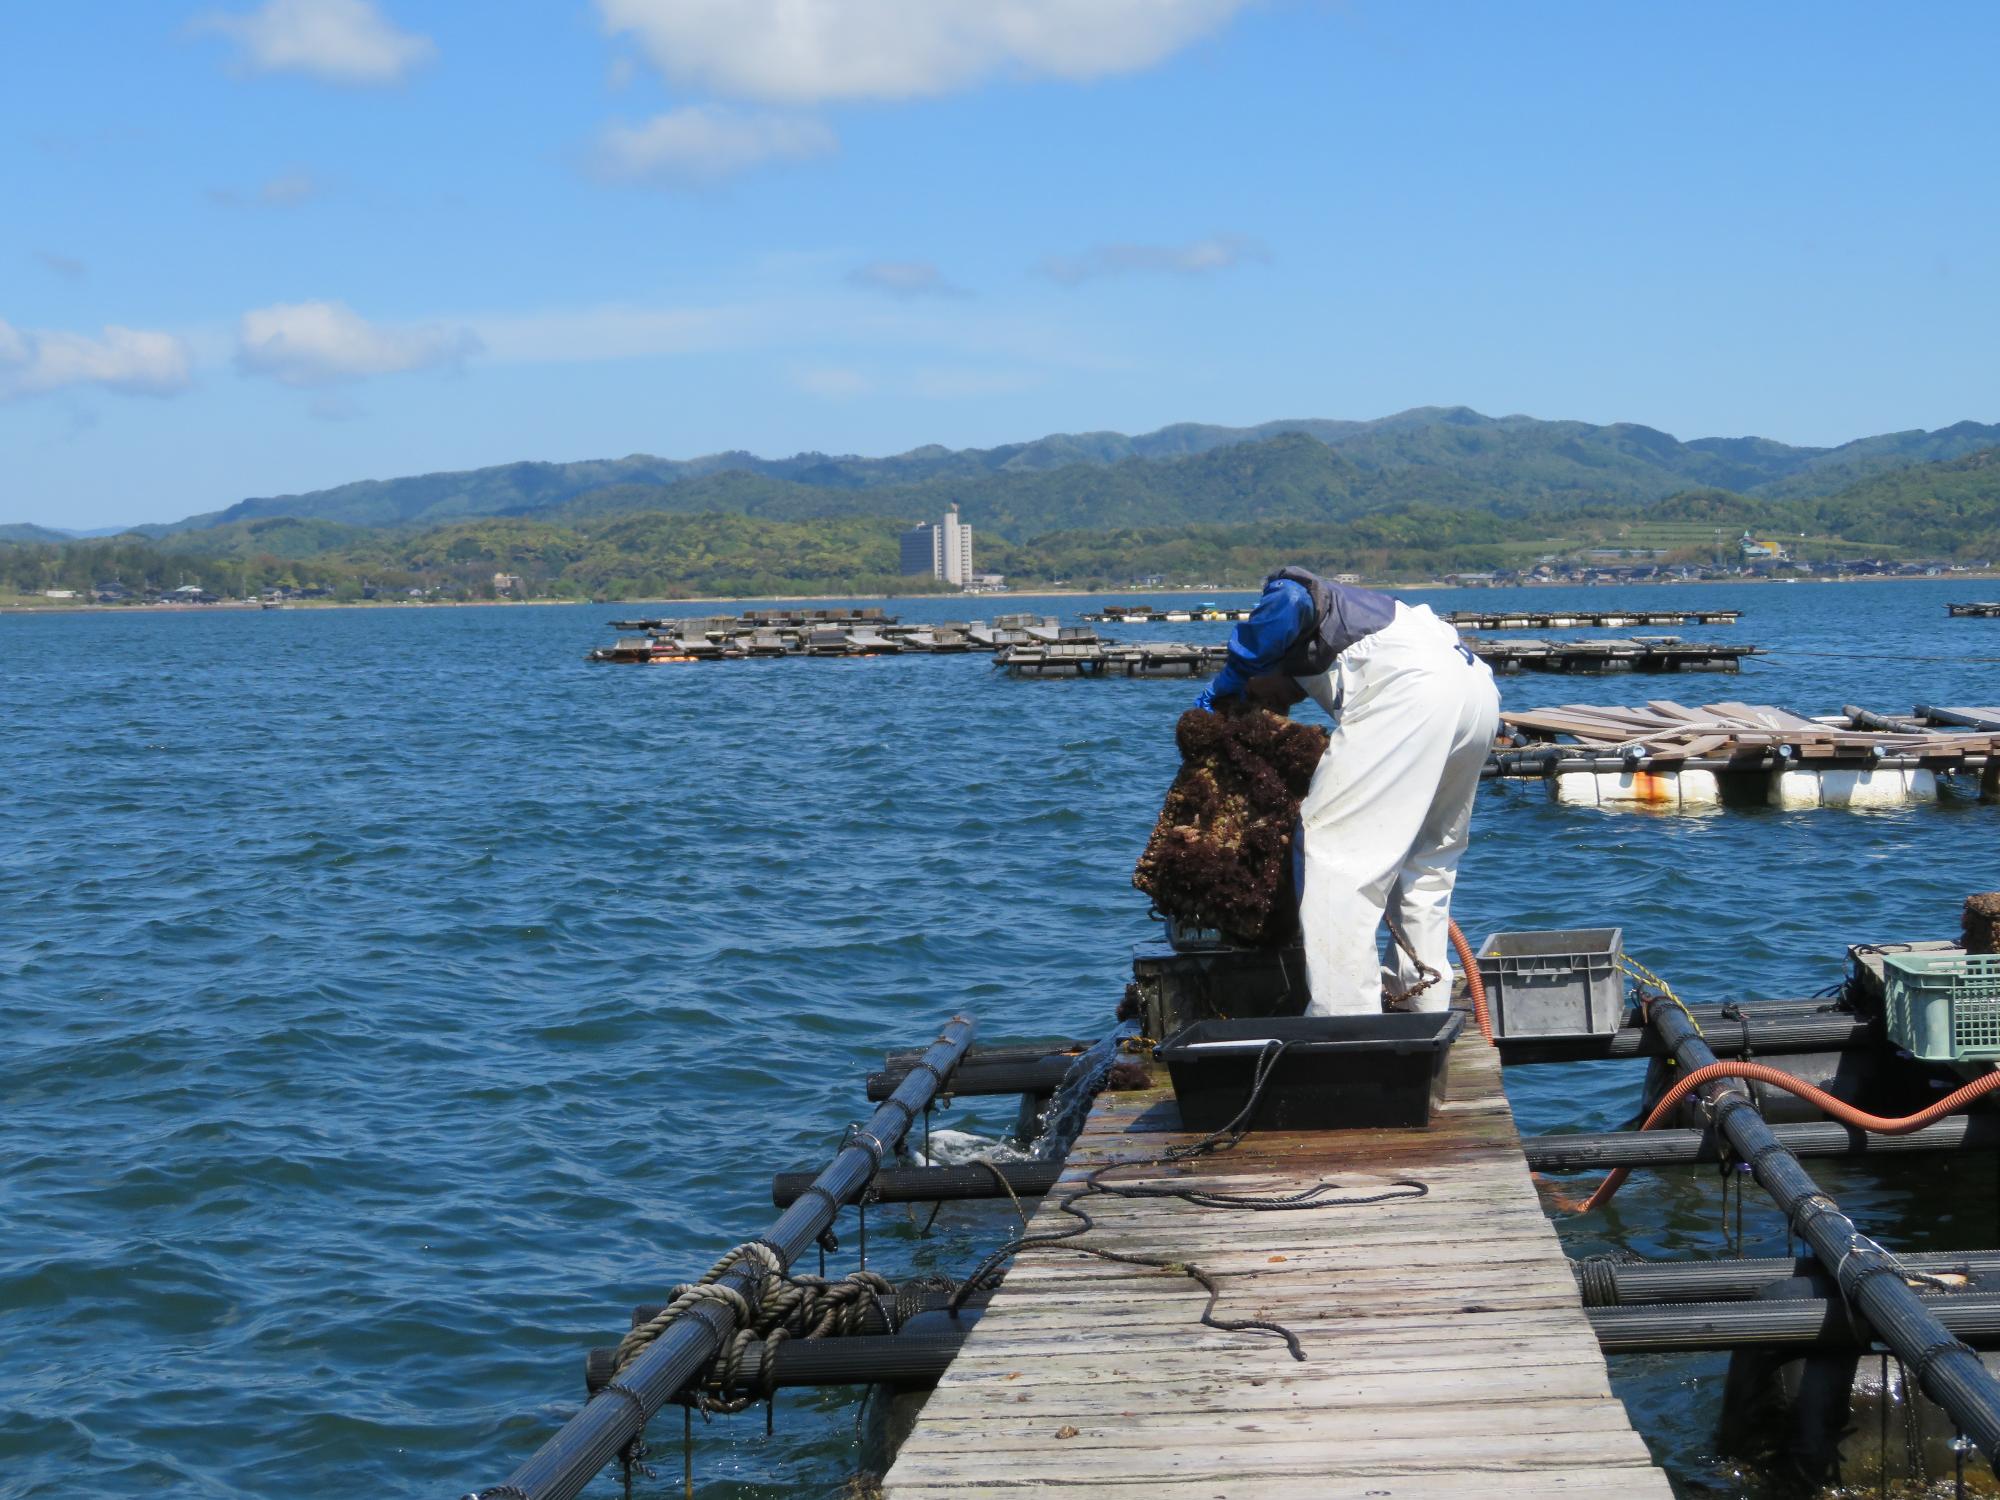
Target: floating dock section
1094, 658
1664, 755
1988, 610
1616, 619
770, 633
1600, 655
1147, 614
1447, 1350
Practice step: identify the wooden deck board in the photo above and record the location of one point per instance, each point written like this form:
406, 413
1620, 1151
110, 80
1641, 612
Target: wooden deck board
1447, 1351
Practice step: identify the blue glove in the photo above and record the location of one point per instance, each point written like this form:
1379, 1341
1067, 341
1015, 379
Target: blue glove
1259, 643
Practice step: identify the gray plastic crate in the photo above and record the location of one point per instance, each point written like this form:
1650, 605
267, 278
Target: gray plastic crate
1561, 983
1943, 1007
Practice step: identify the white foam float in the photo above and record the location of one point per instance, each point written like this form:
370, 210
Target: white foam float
1665, 791
1877, 787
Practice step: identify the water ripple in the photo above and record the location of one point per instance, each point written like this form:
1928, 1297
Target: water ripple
390, 1000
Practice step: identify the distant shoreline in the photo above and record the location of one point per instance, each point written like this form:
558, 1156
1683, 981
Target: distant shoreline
242, 606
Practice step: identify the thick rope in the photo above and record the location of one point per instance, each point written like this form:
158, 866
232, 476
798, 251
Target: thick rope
1217, 1140
778, 1307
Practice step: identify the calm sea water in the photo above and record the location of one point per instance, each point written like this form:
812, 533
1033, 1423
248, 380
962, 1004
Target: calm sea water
389, 1000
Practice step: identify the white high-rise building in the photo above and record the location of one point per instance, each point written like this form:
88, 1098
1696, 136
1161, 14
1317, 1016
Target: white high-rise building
944, 550
954, 549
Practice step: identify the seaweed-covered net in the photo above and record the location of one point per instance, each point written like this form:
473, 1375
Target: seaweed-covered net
1220, 853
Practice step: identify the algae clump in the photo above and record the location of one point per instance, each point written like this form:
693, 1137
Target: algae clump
1220, 855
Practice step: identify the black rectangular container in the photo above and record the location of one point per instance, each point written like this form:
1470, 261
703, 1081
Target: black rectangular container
1340, 1073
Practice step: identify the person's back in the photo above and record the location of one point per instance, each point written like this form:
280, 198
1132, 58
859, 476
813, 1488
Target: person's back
1387, 815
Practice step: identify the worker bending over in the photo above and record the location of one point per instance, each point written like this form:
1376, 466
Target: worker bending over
1387, 814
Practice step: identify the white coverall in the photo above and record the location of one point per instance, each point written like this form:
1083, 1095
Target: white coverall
1387, 813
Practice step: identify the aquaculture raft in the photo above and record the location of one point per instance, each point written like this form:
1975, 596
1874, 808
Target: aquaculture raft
1147, 614
824, 633
1985, 610
1664, 754
1095, 658
1604, 654
1439, 1362
1615, 619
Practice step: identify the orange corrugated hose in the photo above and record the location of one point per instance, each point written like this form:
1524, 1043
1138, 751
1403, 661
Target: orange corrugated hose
1468, 965
1840, 1109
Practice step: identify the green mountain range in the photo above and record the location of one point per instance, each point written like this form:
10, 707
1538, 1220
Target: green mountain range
1406, 497
1327, 469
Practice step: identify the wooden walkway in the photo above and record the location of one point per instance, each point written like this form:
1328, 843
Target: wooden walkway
1447, 1350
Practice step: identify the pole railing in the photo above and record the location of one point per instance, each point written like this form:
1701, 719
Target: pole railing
1869, 1280
615, 1416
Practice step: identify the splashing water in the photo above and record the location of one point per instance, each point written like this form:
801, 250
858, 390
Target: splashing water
1059, 1123
954, 1148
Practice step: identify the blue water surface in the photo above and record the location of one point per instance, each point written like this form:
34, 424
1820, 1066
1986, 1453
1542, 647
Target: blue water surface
389, 1000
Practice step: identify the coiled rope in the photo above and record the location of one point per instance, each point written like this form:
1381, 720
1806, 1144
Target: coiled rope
1218, 1140
776, 1307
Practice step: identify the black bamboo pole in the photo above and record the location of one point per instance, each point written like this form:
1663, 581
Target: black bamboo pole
1665, 1148
1028, 1179
1611, 1283
1001, 1052
1949, 1372
1957, 718
563, 1465
1805, 1324
873, 1318
898, 1359
1041, 1075
1764, 1027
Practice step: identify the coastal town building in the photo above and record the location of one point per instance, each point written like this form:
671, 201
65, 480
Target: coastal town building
943, 550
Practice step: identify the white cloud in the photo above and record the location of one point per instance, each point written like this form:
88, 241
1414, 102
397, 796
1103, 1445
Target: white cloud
131, 361
904, 278
957, 384
703, 144
1219, 252
323, 343
623, 331
337, 41
834, 382
806, 51
286, 190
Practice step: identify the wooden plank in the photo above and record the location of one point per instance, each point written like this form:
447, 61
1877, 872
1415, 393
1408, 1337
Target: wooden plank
1436, 1364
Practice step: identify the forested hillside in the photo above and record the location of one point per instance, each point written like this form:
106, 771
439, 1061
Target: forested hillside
1076, 481
1223, 517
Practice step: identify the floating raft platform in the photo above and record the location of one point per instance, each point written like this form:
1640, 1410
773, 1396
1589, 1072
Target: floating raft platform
1664, 755
1598, 655
1988, 610
1439, 1363
1148, 614
1616, 619
734, 638
759, 619
1077, 658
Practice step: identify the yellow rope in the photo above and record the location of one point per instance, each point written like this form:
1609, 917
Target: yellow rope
1663, 990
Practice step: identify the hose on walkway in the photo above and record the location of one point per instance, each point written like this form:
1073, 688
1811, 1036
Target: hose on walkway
1468, 965
1840, 1109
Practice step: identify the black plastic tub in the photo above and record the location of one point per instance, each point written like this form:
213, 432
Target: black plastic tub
1339, 1073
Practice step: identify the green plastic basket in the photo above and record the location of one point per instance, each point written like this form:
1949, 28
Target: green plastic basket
1944, 1007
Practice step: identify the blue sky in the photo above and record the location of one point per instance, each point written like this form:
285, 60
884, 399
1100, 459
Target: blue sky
268, 247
